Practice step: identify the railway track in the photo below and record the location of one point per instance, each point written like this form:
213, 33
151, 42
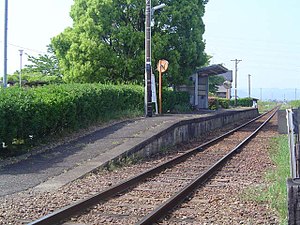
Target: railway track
148, 197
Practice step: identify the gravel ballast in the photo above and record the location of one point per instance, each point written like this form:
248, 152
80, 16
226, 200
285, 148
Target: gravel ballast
226, 207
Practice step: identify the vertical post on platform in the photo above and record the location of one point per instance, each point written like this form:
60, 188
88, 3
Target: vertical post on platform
235, 83
148, 70
291, 139
249, 85
5, 45
160, 89
196, 91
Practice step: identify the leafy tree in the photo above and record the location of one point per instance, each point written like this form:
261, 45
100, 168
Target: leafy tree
106, 42
214, 82
46, 64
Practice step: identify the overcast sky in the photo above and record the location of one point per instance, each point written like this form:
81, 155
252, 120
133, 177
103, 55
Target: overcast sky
264, 34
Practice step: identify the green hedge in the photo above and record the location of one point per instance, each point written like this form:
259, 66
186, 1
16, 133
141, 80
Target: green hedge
37, 112
216, 103
245, 102
29, 114
175, 101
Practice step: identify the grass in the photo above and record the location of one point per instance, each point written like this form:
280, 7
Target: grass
122, 162
274, 193
266, 106
277, 191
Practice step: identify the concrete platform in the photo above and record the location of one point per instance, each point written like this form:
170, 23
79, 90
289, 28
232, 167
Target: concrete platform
49, 170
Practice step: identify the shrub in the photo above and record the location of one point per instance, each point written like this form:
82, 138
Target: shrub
245, 102
224, 103
173, 101
34, 79
295, 103
38, 112
216, 103
213, 103
30, 114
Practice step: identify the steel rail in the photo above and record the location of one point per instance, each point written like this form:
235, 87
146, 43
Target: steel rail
181, 195
66, 212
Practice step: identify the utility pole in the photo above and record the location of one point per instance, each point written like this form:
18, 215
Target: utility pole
20, 74
5, 45
249, 85
295, 93
235, 84
148, 70
261, 94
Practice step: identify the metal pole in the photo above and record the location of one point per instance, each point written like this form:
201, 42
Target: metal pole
5, 45
20, 74
148, 72
249, 85
235, 84
160, 89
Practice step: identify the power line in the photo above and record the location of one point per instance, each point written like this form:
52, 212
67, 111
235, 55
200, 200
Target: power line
25, 48
28, 49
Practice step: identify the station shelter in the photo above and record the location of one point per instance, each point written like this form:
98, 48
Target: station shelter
198, 89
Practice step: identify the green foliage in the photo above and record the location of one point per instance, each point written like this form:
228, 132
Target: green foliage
28, 115
224, 103
266, 106
175, 101
214, 82
244, 102
215, 103
46, 64
295, 103
277, 192
34, 78
106, 41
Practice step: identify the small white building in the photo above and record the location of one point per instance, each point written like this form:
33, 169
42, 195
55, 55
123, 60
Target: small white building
225, 91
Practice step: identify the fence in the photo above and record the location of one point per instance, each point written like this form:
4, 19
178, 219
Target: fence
293, 183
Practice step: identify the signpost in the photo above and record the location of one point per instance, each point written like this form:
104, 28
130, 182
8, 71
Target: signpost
162, 67
153, 89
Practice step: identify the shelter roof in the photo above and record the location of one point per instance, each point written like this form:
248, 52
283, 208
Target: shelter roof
227, 76
211, 70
